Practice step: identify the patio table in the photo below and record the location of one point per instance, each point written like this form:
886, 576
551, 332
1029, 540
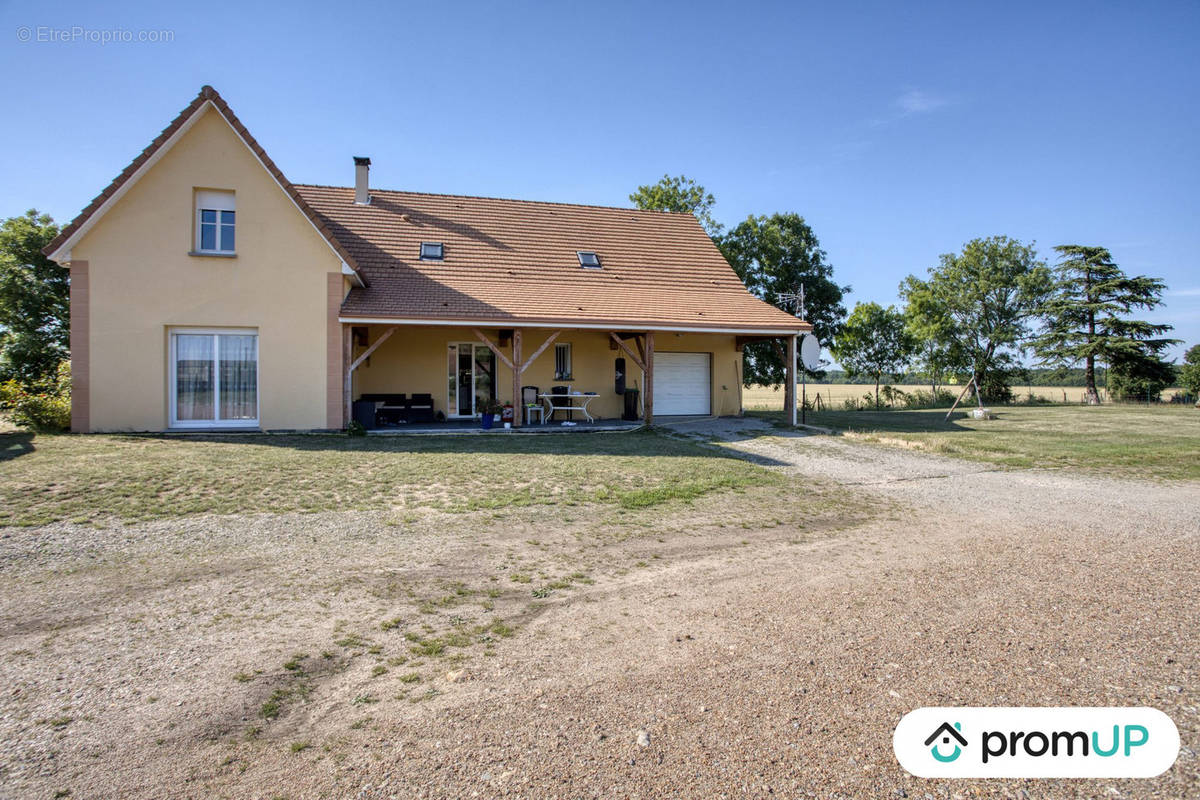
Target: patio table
566, 402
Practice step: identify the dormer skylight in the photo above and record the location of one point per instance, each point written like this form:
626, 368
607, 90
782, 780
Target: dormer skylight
588, 259
432, 251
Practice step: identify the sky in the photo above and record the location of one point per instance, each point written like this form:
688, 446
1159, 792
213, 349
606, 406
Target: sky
898, 130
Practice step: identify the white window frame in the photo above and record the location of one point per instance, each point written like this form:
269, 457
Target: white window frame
570, 373
172, 373
215, 200
441, 248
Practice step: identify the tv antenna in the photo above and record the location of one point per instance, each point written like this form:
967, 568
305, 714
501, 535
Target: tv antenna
797, 301
810, 348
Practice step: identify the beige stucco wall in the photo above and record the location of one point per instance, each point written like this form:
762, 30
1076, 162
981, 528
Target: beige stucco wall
142, 282
414, 360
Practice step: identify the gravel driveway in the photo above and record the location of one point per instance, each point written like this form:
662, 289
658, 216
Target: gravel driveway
760, 665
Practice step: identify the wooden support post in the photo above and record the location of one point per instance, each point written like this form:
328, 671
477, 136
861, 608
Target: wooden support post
649, 398
493, 347
367, 354
350, 365
636, 360
347, 385
517, 370
737, 378
549, 341
790, 372
963, 394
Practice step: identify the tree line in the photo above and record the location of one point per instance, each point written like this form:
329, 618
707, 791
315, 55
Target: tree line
1031, 376
981, 313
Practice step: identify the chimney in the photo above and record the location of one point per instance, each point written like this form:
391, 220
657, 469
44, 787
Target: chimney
362, 167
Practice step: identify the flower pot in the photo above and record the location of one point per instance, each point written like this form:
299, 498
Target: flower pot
486, 420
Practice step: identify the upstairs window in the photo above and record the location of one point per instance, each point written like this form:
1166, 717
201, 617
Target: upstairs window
432, 251
215, 226
588, 259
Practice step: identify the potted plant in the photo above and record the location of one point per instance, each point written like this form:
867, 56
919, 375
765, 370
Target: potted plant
488, 412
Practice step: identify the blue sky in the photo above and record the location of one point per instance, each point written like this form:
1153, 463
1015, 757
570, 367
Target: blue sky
899, 130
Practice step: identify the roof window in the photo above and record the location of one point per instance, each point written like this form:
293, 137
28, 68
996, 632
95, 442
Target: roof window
588, 259
432, 251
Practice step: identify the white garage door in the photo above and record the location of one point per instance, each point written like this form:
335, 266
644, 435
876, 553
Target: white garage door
682, 384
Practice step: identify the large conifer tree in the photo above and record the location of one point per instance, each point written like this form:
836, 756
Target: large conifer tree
1087, 315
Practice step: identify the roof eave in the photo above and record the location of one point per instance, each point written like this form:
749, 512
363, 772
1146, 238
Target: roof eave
590, 324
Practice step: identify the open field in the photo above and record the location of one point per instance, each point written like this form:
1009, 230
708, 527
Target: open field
743, 612
1126, 440
771, 398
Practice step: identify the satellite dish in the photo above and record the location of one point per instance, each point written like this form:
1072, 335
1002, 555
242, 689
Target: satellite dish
810, 352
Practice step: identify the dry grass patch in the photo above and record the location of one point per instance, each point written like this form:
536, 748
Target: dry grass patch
47, 478
834, 394
1120, 440
328, 620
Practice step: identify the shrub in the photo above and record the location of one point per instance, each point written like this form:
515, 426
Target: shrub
997, 388
1140, 379
1031, 399
891, 395
43, 405
1189, 373
919, 398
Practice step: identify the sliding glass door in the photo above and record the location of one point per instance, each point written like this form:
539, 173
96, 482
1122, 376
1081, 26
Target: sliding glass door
472, 369
214, 379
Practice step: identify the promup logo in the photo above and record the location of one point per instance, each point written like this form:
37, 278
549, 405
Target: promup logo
1036, 742
946, 732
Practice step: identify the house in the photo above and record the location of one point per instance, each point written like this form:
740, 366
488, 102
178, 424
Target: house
210, 292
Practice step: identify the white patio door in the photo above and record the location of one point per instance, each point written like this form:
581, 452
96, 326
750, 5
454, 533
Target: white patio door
471, 378
214, 378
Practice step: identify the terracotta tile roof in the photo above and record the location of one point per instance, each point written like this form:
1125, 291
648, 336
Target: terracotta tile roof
514, 260
207, 94
506, 260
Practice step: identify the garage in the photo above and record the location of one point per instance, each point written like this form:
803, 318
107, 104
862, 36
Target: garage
682, 383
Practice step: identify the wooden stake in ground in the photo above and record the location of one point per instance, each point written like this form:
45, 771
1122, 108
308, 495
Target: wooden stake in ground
963, 394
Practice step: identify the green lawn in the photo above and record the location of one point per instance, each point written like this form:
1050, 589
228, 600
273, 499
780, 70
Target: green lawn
1130, 441
45, 478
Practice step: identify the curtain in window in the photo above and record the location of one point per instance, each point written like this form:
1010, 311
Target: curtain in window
239, 377
485, 368
562, 361
194, 377
216, 377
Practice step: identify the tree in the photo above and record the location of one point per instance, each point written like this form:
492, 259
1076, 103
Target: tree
681, 194
1139, 376
938, 353
34, 300
777, 255
874, 341
1086, 315
983, 301
1189, 373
